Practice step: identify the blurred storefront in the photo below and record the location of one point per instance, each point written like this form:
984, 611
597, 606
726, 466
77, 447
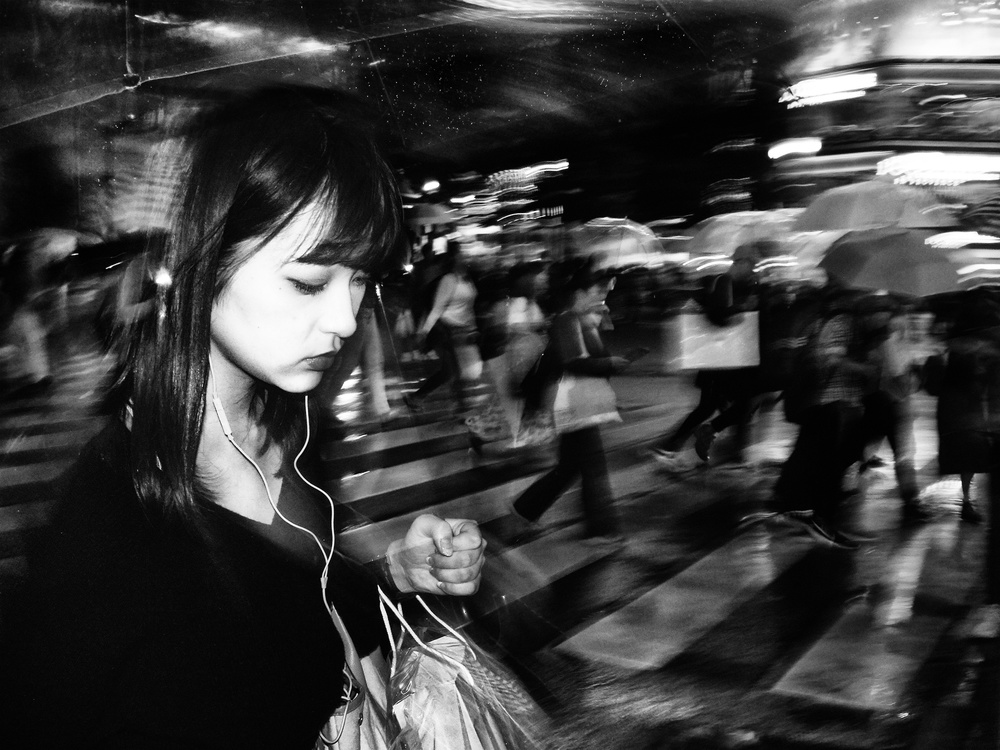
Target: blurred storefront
909, 92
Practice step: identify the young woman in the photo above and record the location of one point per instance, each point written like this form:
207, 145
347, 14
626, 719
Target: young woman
181, 596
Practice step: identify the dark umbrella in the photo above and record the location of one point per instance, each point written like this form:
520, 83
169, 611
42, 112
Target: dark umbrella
896, 260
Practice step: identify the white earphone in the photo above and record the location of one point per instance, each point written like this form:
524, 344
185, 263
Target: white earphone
227, 430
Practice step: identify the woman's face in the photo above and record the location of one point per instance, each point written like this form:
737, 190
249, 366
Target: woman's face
282, 321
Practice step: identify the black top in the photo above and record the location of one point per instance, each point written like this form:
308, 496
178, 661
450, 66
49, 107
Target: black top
133, 634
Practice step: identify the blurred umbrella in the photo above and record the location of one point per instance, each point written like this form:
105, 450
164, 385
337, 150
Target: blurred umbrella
865, 205
614, 243
429, 214
895, 260
722, 234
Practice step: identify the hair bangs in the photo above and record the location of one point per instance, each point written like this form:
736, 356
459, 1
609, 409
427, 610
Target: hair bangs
364, 222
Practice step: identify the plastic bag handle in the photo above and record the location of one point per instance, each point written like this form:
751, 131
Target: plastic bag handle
385, 602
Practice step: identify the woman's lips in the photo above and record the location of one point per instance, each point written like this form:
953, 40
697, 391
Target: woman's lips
321, 362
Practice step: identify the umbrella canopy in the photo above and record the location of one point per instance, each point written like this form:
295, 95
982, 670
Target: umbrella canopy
865, 205
429, 214
614, 242
722, 234
898, 261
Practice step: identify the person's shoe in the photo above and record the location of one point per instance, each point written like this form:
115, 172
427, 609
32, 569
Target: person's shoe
824, 535
970, 513
704, 436
914, 513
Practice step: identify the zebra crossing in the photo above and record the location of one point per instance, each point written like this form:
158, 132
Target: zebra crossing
693, 632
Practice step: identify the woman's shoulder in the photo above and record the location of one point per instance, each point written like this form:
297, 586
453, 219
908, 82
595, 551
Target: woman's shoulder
94, 504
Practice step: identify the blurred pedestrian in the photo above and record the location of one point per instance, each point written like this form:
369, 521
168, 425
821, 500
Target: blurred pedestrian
728, 395
21, 276
965, 378
834, 374
450, 329
364, 348
887, 407
579, 354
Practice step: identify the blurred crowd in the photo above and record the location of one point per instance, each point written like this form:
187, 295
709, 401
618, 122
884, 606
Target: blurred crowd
845, 364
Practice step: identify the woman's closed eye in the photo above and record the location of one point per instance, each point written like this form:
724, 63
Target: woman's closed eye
307, 287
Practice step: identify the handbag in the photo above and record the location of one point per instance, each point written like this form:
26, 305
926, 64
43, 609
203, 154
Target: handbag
448, 694
583, 401
524, 350
363, 721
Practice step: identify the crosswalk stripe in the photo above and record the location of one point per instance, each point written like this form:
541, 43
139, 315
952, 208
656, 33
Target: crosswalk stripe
663, 622
868, 658
12, 476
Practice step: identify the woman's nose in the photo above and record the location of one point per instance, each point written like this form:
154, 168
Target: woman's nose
339, 315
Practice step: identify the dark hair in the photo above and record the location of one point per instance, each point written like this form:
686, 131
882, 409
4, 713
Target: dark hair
569, 276
253, 164
521, 277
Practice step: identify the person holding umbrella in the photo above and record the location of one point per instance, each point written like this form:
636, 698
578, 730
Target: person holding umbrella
838, 374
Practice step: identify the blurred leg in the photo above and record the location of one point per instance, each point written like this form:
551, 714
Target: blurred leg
599, 514
540, 496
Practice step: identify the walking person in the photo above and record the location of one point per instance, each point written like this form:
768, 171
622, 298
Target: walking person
834, 374
450, 329
888, 407
727, 396
577, 350
182, 594
965, 378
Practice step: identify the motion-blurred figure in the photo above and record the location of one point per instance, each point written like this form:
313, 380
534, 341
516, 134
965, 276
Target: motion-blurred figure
450, 329
577, 347
516, 331
966, 380
888, 410
364, 348
24, 335
833, 375
729, 394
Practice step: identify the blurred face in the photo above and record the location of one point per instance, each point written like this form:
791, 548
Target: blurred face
590, 298
282, 321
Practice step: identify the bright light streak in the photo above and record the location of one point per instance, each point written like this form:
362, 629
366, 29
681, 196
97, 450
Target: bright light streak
938, 168
958, 240
463, 199
978, 267
829, 88
794, 146
825, 99
431, 186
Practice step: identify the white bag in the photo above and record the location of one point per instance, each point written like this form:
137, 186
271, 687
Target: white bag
447, 694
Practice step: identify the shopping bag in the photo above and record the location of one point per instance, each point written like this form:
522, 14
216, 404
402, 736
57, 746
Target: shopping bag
583, 401
523, 353
696, 343
363, 722
448, 694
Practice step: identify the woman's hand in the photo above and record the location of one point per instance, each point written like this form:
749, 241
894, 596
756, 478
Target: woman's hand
438, 556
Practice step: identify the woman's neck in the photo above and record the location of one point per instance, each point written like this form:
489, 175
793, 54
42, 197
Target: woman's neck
237, 462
